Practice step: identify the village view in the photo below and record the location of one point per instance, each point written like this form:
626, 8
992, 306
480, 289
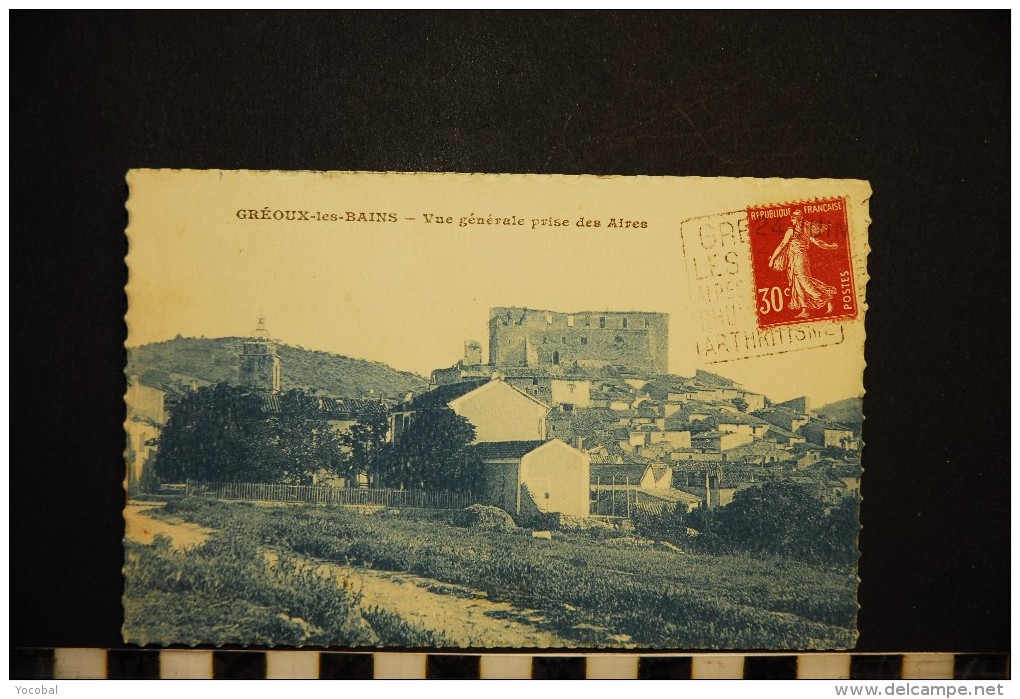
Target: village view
564, 491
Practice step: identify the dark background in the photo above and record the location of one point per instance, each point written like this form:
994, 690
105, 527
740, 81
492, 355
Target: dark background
917, 103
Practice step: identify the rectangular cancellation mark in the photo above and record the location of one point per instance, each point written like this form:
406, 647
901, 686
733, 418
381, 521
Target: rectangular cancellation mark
719, 251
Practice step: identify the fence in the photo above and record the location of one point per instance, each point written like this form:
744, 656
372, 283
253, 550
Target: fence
327, 495
619, 499
612, 498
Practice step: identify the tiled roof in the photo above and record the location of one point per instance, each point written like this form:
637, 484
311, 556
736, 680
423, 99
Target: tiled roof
657, 450
349, 408
778, 410
442, 394
738, 419
616, 384
696, 466
844, 469
620, 474
759, 447
660, 470
701, 408
825, 424
671, 495
626, 400
806, 446
506, 450
328, 407
677, 424
518, 372
706, 377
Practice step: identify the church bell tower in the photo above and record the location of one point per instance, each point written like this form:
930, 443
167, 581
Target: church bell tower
259, 362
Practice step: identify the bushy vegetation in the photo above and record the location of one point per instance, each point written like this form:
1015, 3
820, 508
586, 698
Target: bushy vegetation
586, 591
231, 591
671, 524
227, 591
777, 519
227, 433
175, 363
848, 412
485, 517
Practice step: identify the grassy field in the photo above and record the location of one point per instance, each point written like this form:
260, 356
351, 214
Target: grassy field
586, 588
228, 591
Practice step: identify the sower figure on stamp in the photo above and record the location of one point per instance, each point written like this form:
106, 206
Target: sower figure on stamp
791, 255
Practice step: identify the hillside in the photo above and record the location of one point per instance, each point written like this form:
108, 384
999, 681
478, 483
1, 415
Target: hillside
847, 412
178, 362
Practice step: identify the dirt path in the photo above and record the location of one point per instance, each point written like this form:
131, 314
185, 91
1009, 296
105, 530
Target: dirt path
466, 617
140, 527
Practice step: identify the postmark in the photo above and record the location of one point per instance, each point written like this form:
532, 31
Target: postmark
722, 283
801, 262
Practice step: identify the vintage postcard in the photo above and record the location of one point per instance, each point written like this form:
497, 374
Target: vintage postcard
493, 411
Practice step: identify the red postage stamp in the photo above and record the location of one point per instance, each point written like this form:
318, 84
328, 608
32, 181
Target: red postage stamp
800, 255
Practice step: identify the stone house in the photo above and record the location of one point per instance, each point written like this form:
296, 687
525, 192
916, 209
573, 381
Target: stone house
717, 441
829, 434
783, 417
528, 475
498, 411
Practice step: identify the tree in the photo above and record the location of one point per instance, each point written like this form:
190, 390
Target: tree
777, 517
786, 519
433, 453
780, 518
842, 526
362, 445
229, 433
294, 443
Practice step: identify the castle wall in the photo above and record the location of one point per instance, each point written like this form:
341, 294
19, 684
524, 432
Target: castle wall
523, 337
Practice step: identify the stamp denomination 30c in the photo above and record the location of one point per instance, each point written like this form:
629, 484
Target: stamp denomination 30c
800, 255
